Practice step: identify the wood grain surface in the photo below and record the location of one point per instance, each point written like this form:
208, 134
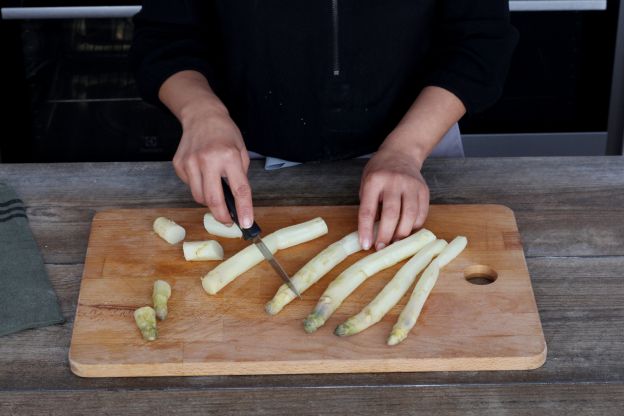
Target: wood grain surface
463, 326
570, 212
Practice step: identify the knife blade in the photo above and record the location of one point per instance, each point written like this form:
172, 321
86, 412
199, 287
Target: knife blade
275, 264
253, 233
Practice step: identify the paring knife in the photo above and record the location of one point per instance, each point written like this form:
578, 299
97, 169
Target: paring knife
253, 233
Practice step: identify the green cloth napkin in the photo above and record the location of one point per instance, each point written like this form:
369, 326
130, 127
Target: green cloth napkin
27, 299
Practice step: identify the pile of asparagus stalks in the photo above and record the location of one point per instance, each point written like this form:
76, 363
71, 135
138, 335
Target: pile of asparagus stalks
428, 255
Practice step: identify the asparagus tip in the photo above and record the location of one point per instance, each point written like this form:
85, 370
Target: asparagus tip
270, 308
342, 330
396, 337
312, 323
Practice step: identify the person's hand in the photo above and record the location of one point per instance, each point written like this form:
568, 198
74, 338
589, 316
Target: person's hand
212, 147
392, 177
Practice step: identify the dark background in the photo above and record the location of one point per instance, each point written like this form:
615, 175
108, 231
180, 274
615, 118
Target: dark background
69, 95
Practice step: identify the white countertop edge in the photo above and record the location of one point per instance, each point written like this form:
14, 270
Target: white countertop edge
552, 5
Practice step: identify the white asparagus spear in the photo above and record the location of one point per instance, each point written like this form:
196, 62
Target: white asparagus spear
202, 250
245, 259
357, 273
423, 288
314, 270
392, 292
145, 319
169, 230
160, 296
214, 227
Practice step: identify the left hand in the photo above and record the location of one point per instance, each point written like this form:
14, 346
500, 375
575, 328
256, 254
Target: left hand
392, 177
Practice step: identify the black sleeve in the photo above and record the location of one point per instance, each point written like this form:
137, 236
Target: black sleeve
169, 37
472, 51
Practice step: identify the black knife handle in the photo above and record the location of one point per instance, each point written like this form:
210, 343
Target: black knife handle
248, 233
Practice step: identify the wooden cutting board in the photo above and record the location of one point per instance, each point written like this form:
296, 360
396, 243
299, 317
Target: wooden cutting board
463, 326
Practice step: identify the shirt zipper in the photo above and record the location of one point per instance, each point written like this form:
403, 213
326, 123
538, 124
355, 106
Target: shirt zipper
336, 57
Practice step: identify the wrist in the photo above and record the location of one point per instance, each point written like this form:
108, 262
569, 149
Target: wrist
406, 145
201, 110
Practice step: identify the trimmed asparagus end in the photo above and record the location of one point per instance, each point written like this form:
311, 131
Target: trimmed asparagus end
169, 230
313, 322
202, 250
161, 312
209, 286
214, 227
145, 319
160, 296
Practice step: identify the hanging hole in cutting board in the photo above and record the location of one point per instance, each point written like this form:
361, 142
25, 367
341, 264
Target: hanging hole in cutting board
480, 274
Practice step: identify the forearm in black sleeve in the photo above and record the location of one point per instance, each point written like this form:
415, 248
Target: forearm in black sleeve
169, 37
472, 50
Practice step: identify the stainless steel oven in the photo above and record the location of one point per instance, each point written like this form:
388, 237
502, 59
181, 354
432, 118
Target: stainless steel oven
72, 98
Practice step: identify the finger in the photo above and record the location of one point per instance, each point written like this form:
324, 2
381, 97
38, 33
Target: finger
194, 178
390, 211
409, 213
245, 160
242, 195
369, 201
181, 172
213, 194
423, 207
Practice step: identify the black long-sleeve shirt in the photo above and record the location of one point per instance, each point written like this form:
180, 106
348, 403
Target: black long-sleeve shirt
325, 79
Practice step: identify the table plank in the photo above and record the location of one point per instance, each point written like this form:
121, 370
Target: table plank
484, 400
580, 181
570, 213
544, 193
582, 323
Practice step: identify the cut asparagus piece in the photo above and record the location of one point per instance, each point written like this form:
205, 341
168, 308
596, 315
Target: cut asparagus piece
145, 319
392, 292
361, 270
314, 270
202, 250
160, 296
169, 230
245, 259
214, 227
423, 288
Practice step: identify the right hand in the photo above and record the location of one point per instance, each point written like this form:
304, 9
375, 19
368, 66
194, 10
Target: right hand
212, 147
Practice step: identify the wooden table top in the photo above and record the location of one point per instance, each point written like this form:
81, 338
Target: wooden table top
570, 212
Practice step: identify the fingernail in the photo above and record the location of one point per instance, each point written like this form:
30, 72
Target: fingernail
247, 223
366, 244
380, 246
